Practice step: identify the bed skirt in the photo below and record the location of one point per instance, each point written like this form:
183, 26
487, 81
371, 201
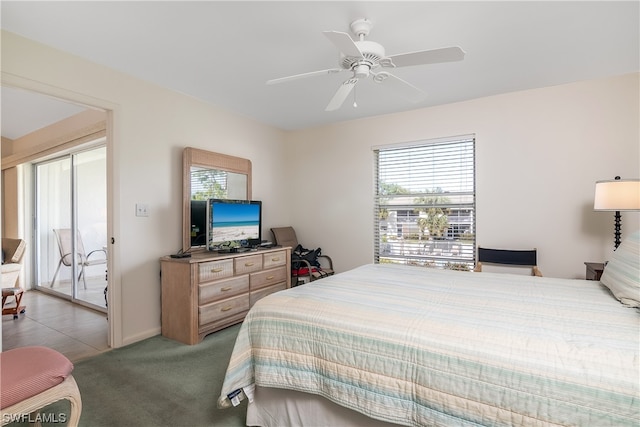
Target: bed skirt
272, 407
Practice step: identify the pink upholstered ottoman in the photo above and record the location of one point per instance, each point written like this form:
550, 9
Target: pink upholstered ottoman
34, 377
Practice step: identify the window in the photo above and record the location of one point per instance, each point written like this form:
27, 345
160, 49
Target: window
424, 204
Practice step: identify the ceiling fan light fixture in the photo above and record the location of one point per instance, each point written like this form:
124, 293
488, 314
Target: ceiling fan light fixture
361, 71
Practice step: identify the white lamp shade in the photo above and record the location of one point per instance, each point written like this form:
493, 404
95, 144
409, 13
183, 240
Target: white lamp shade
617, 195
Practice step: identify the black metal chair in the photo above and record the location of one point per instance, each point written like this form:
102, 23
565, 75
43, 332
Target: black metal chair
509, 257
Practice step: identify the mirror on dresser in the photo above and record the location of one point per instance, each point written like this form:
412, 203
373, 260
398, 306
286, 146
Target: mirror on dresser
206, 174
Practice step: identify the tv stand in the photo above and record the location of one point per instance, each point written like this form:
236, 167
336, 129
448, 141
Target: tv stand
210, 290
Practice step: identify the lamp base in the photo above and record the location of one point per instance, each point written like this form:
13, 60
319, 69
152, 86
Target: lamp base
617, 230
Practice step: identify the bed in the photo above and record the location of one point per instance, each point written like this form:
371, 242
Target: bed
391, 344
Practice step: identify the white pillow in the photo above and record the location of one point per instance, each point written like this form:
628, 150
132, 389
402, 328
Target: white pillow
622, 273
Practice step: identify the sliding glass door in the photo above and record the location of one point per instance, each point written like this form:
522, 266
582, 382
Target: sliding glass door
71, 226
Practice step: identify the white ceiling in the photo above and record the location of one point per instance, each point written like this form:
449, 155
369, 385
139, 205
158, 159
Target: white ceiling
224, 52
24, 111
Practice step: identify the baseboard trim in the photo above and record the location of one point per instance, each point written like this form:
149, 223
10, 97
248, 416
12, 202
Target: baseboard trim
141, 336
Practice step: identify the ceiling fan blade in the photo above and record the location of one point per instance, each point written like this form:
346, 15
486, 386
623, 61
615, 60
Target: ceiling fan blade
304, 75
342, 93
433, 56
401, 87
344, 43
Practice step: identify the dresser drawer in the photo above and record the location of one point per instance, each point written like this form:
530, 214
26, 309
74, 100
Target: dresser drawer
225, 308
247, 264
261, 293
221, 289
213, 270
274, 259
268, 277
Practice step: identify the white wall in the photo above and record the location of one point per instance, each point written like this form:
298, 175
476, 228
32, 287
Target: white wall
151, 126
539, 153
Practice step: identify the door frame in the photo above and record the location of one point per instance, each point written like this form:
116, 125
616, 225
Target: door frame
113, 112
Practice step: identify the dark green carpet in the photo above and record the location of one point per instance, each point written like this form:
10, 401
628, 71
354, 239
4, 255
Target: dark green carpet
157, 382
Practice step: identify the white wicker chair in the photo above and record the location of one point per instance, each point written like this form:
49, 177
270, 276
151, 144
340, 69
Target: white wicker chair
25, 410
33, 377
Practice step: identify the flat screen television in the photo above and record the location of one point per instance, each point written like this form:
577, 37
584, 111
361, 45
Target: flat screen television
233, 225
198, 223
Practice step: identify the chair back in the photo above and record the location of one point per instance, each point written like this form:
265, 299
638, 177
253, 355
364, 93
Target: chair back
508, 256
285, 236
63, 236
13, 250
511, 257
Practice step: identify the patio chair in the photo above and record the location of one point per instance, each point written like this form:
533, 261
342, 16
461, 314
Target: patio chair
63, 236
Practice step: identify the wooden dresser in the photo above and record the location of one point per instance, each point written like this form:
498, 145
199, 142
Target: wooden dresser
211, 291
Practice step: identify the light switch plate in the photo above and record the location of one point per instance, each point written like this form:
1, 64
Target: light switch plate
142, 209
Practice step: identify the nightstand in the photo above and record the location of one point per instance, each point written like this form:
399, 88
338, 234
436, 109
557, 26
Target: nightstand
594, 270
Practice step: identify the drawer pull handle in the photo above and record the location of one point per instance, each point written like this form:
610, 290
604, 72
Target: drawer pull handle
227, 308
270, 277
227, 288
249, 264
275, 259
216, 270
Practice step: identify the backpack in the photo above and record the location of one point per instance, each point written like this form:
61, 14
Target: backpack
310, 255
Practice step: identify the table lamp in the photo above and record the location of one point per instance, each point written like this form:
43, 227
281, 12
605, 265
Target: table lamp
617, 195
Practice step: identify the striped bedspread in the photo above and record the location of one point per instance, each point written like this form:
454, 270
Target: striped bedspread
417, 346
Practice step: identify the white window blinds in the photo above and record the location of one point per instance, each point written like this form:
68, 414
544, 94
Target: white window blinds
208, 184
424, 207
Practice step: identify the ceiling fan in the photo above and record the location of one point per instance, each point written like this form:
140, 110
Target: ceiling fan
363, 58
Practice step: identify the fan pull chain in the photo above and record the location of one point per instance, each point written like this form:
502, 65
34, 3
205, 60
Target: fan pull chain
355, 104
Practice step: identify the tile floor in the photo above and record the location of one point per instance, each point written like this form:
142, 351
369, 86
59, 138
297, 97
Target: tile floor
93, 294
73, 330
